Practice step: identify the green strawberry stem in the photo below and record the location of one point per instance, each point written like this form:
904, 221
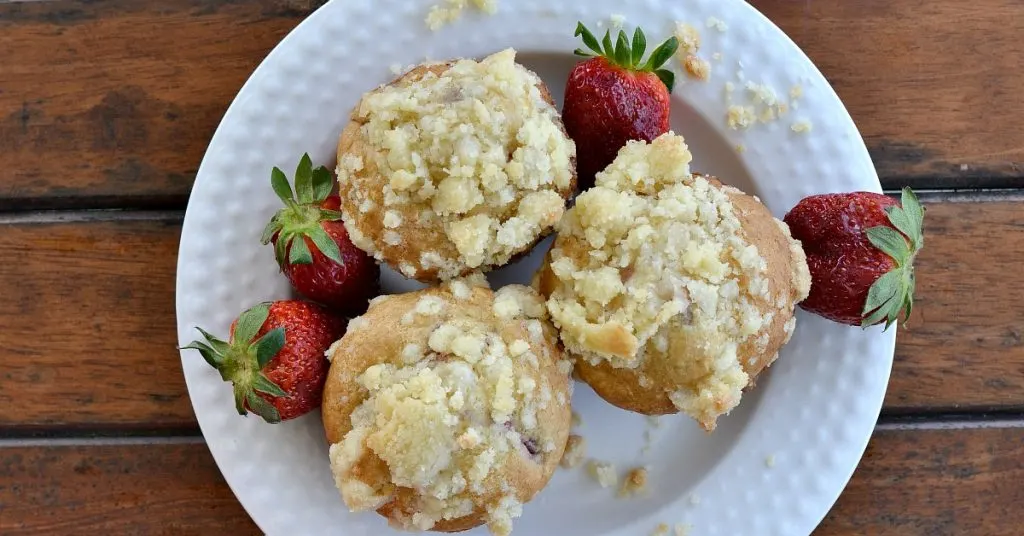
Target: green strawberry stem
241, 361
301, 216
893, 293
628, 55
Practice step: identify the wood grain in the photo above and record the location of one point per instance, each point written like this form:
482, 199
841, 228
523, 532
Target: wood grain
89, 338
88, 325
107, 104
964, 349
932, 84
112, 104
159, 489
937, 482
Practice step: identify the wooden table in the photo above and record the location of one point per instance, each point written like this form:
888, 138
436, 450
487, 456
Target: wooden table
106, 109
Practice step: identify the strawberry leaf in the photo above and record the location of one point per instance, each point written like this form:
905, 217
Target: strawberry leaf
588, 39
239, 401
209, 355
891, 242
262, 408
661, 54
279, 183
281, 249
218, 345
884, 290
639, 46
263, 384
623, 56
273, 227
609, 48
330, 215
323, 183
304, 180
268, 346
325, 244
299, 253
909, 218
250, 322
667, 77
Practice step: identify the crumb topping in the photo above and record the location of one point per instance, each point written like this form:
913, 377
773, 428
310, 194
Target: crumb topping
657, 244
445, 417
476, 152
653, 270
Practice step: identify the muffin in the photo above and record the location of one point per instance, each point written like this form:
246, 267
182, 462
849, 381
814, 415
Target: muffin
447, 408
671, 290
454, 167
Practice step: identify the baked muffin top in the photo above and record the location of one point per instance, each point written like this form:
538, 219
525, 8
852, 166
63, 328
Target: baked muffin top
656, 263
454, 167
447, 407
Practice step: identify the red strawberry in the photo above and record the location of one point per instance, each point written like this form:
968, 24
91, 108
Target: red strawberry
860, 250
274, 357
323, 265
615, 97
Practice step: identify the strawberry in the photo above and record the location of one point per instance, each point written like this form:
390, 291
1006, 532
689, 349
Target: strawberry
860, 250
614, 97
323, 265
274, 357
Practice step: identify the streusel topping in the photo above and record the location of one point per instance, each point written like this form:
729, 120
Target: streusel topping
445, 415
474, 150
653, 263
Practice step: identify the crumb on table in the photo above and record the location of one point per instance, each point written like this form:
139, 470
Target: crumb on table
660, 530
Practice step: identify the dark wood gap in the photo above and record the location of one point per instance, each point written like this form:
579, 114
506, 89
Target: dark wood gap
86, 431
951, 417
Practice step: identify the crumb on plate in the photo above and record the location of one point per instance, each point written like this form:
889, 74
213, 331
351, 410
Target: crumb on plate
698, 68
634, 483
450, 10
717, 24
575, 449
604, 473
802, 127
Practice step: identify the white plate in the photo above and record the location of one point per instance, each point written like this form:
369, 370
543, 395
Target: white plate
811, 415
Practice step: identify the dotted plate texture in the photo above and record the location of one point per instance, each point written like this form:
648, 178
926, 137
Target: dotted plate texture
774, 466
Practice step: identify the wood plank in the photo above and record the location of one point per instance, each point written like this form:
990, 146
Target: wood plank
940, 482
932, 84
110, 104
964, 349
160, 489
89, 317
89, 327
101, 105
935, 482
